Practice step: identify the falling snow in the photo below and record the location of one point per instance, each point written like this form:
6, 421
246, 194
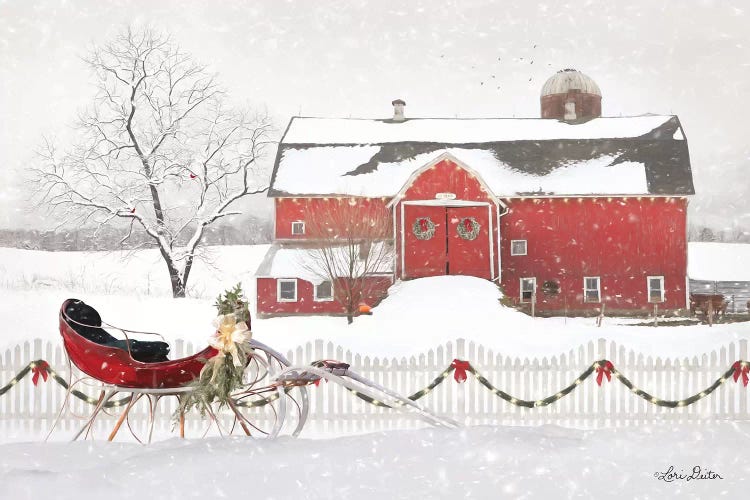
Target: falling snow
455, 60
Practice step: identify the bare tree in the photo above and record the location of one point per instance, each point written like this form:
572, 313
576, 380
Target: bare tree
159, 149
351, 247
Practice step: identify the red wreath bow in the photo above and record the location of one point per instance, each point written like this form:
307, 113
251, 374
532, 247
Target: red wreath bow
39, 368
741, 370
602, 370
459, 370
423, 225
468, 225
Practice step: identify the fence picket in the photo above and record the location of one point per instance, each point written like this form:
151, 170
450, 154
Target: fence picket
744, 395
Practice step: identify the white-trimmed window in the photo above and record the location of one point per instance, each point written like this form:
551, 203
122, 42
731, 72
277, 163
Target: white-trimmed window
528, 289
286, 290
323, 292
655, 288
518, 247
592, 289
298, 228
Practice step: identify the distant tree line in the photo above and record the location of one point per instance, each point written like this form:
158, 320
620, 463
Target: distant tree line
250, 231
735, 234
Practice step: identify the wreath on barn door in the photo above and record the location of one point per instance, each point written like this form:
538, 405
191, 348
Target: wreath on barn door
468, 228
423, 228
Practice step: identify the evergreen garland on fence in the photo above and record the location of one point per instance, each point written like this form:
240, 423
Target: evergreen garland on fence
41, 368
739, 371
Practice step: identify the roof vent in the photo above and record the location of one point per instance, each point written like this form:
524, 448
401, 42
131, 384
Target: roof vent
398, 110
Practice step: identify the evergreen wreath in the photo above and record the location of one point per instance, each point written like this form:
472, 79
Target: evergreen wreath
223, 373
423, 228
468, 228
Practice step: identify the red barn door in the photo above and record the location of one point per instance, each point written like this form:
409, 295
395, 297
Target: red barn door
468, 241
446, 240
424, 241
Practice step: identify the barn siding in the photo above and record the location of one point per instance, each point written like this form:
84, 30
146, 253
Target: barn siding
621, 240
267, 303
289, 210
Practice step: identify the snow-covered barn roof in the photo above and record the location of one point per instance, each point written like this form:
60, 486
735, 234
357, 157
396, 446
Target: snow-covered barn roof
358, 157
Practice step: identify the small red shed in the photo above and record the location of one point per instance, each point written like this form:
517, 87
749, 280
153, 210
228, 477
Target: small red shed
573, 211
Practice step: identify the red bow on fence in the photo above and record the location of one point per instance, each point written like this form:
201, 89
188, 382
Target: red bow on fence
39, 368
459, 370
603, 370
741, 370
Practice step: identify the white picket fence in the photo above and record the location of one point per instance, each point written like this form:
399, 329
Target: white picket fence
333, 410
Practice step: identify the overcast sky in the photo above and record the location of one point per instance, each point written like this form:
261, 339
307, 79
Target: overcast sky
352, 57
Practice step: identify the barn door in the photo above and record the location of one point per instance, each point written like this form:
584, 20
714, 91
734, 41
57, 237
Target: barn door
425, 248
468, 241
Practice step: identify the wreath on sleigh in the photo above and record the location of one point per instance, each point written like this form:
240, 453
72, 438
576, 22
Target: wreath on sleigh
423, 228
223, 373
468, 228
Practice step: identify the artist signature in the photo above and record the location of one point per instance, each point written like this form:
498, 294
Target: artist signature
696, 473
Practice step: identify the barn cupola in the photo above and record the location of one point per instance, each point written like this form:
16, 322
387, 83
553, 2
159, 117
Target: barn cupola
398, 110
571, 96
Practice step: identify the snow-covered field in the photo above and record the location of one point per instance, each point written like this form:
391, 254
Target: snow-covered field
482, 462
719, 261
479, 462
417, 316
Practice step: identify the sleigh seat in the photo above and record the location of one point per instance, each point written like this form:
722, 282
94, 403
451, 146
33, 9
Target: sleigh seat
123, 363
87, 322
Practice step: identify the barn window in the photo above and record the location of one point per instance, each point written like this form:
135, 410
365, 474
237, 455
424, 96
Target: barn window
324, 292
592, 290
655, 288
286, 290
518, 247
298, 227
528, 289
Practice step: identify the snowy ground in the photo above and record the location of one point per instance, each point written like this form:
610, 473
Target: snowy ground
135, 294
480, 462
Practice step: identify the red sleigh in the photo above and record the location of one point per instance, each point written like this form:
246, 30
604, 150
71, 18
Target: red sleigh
142, 369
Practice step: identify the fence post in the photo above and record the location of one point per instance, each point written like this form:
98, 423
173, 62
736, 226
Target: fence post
743, 393
601, 353
37, 353
461, 389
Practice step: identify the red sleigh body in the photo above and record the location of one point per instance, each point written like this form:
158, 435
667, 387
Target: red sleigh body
113, 365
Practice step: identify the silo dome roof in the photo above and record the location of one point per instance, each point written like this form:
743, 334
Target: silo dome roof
570, 79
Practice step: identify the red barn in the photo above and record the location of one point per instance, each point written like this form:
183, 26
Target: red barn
571, 211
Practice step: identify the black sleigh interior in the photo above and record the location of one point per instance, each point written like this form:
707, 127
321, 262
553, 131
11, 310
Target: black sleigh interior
85, 320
